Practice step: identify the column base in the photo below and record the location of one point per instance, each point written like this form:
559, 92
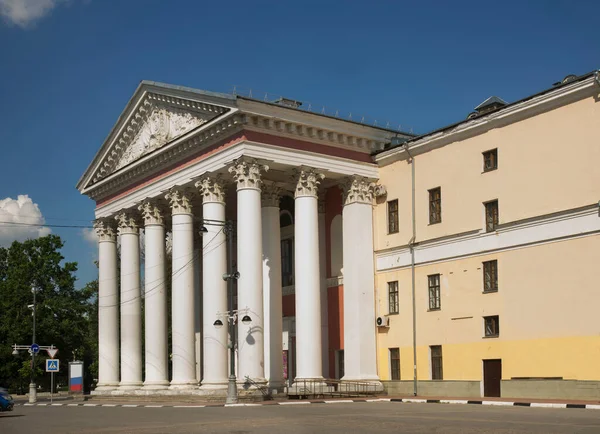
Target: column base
183, 385
213, 385
130, 385
156, 385
276, 387
104, 387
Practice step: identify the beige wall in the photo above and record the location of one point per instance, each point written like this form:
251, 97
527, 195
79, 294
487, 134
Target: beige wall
547, 163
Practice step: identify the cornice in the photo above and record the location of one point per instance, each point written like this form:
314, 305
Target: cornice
465, 129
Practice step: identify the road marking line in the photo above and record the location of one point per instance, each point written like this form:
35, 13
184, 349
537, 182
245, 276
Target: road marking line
42, 405
129, 405
189, 406
337, 401
90, 405
56, 405
72, 405
379, 400
109, 405
414, 400
505, 403
593, 406
294, 403
153, 406
28, 404
454, 401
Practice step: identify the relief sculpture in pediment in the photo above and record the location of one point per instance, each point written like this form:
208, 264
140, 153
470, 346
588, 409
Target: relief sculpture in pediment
162, 126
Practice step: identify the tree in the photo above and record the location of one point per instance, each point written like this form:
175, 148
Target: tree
65, 316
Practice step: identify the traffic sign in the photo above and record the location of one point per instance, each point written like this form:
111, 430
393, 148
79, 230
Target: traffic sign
52, 352
52, 365
35, 348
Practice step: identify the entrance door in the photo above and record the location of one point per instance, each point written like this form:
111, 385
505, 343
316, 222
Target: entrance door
492, 375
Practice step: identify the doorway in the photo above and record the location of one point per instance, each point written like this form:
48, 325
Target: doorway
492, 377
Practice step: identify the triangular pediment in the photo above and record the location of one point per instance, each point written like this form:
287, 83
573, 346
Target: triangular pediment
156, 116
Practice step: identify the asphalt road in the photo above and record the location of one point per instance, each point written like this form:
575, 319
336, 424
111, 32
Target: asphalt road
322, 418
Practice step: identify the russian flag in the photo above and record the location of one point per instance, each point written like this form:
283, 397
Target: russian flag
76, 384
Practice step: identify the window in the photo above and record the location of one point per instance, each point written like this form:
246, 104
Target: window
395, 363
434, 292
490, 160
435, 205
393, 216
490, 276
393, 306
492, 326
491, 216
437, 372
287, 262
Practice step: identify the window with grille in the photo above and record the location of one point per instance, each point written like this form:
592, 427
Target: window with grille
490, 160
287, 262
434, 292
490, 276
393, 303
491, 216
492, 326
435, 205
437, 372
393, 216
395, 363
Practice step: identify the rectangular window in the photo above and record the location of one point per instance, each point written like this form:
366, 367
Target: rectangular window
437, 371
287, 262
491, 216
395, 363
435, 205
393, 216
490, 160
393, 305
434, 292
490, 276
492, 326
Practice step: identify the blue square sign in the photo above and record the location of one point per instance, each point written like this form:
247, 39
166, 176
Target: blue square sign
52, 365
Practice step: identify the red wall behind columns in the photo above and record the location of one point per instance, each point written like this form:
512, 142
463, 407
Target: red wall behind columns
335, 305
333, 207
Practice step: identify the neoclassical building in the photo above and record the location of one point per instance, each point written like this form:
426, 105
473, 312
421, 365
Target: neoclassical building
295, 191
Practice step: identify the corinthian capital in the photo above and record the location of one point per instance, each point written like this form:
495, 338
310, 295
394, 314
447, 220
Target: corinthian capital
106, 230
180, 200
151, 213
127, 223
211, 189
357, 189
307, 182
247, 173
270, 195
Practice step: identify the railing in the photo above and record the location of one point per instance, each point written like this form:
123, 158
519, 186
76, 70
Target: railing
306, 389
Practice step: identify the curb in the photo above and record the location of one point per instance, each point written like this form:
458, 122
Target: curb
336, 401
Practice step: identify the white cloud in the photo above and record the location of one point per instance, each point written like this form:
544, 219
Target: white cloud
25, 12
21, 210
90, 236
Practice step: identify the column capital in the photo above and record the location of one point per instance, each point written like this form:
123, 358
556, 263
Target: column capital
180, 200
127, 222
151, 213
105, 230
271, 193
357, 189
247, 173
307, 181
211, 189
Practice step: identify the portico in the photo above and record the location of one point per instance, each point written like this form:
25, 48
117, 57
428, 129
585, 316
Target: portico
181, 162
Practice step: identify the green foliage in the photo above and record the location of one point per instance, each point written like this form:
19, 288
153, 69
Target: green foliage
66, 317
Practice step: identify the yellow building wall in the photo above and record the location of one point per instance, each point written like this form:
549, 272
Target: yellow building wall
546, 163
547, 303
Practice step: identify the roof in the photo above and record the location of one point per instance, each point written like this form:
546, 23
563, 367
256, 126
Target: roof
454, 125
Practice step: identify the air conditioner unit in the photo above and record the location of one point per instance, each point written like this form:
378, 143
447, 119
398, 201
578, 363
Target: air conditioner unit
382, 321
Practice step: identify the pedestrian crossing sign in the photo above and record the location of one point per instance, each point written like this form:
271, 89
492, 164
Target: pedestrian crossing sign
52, 365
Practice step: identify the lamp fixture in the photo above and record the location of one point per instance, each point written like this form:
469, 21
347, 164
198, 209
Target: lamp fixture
246, 320
218, 324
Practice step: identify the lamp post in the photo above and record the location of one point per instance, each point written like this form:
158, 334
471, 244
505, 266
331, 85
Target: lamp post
32, 385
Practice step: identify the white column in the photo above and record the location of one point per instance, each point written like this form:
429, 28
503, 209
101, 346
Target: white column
247, 174
307, 276
131, 312
271, 242
108, 306
182, 291
359, 281
155, 298
198, 317
323, 275
214, 288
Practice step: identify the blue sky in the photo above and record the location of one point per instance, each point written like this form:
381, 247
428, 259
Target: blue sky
67, 69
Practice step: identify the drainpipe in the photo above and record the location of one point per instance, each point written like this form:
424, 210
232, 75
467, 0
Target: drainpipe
411, 245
